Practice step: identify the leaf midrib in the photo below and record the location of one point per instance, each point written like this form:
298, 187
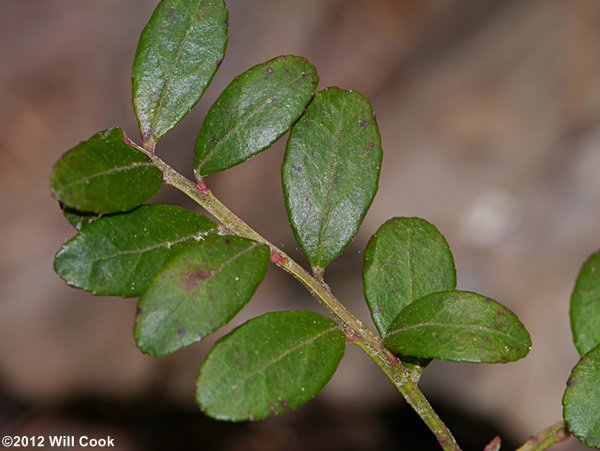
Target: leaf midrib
270, 363
110, 171
243, 120
168, 78
453, 326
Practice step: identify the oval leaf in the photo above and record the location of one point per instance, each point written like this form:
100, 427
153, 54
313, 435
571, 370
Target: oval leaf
178, 54
406, 259
330, 172
197, 291
117, 255
253, 112
104, 175
269, 365
581, 401
585, 306
458, 326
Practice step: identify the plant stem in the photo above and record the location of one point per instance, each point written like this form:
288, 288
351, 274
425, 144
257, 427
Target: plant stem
554, 434
356, 332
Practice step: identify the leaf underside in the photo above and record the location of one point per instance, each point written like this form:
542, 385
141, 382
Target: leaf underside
330, 172
178, 54
253, 112
117, 255
585, 306
197, 291
581, 400
105, 175
269, 365
458, 326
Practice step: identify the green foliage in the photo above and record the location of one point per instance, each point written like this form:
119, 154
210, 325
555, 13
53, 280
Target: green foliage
585, 306
581, 401
253, 112
406, 259
270, 365
330, 172
197, 291
179, 52
193, 276
104, 175
117, 255
458, 326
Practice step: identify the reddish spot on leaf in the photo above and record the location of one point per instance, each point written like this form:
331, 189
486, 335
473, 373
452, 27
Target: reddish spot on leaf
269, 70
363, 123
193, 278
181, 331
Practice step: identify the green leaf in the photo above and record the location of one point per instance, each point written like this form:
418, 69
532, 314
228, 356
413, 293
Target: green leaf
406, 259
585, 306
330, 172
178, 54
117, 255
581, 401
104, 175
458, 326
197, 291
271, 364
253, 112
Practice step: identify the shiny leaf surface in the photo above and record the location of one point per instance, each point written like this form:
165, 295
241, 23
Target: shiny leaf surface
254, 111
117, 255
197, 291
458, 326
178, 54
104, 175
269, 365
406, 259
330, 172
581, 401
585, 306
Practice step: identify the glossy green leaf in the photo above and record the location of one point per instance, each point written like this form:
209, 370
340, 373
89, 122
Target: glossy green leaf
585, 306
197, 291
104, 175
254, 111
406, 259
178, 54
581, 401
458, 326
270, 365
330, 172
117, 255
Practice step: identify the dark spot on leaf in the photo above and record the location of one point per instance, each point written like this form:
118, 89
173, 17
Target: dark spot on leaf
227, 241
219, 61
570, 382
488, 339
198, 17
284, 404
488, 300
370, 145
138, 311
500, 313
171, 12
503, 359
269, 70
363, 123
181, 331
497, 325
336, 180
298, 169
194, 277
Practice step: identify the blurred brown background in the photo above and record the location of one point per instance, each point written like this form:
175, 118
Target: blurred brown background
490, 119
